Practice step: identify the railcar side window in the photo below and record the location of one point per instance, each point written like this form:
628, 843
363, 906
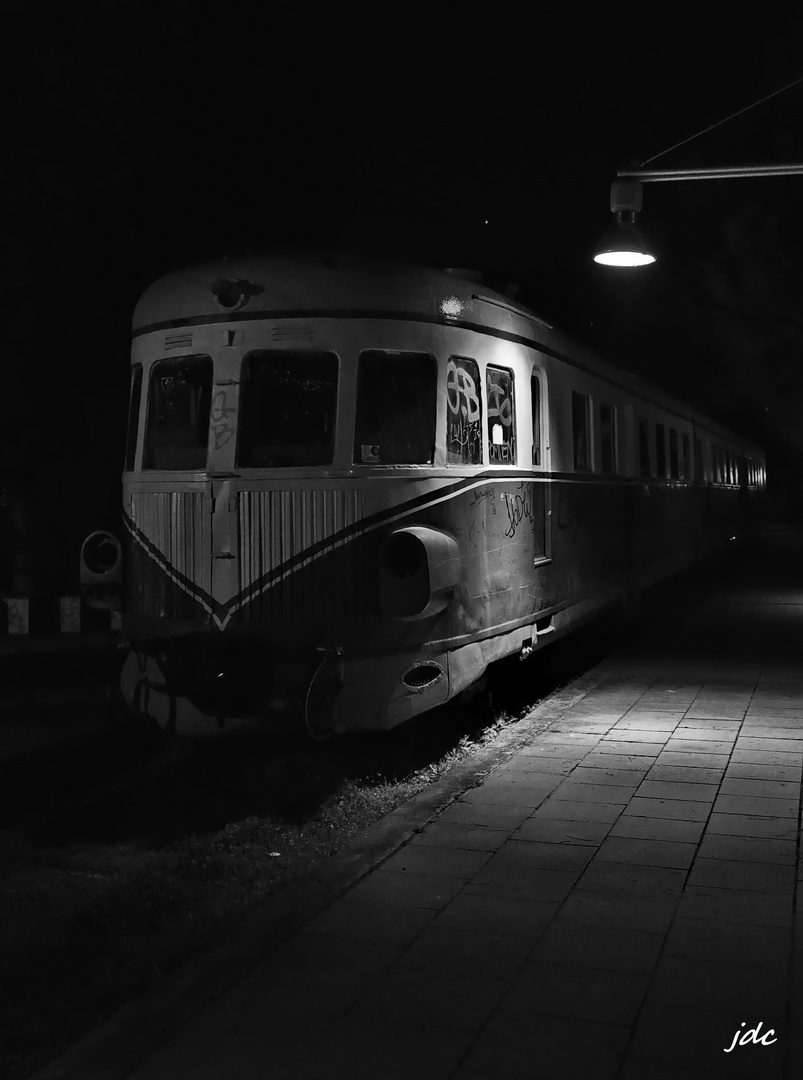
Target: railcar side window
178, 413
660, 450
581, 431
674, 463
396, 403
464, 412
643, 446
133, 416
288, 403
699, 473
535, 397
607, 436
501, 416
685, 469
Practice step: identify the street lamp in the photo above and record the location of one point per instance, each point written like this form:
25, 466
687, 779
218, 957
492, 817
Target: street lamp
624, 244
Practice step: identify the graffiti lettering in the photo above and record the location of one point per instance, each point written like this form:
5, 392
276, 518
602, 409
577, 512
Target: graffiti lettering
464, 418
485, 493
218, 415
499, 404
500, 452
519, 508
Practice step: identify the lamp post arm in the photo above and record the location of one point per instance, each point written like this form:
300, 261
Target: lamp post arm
732, 172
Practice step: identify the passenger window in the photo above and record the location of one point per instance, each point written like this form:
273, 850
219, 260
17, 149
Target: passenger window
535, 396
643, 446
660, 450
178, 413
699, 474
464, 412
607, 434
288, 403
134, 406
396, 402
674, 463
501, 416
685, 468
581, 431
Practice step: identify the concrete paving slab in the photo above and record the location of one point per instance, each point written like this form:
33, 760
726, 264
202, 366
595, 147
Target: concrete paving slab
748, 849
507, 879
729, 942
618, 878
557, 1047
691, 731
764, 757
767, 789
679, 774
626, 849
577, 789
561, 831
762, 772
358, 1050
677, 789
389, 924
678, 809
484, 911
452, 835
617, 949
534, 853
417, 890
489, 815
658, 829
443, 948
747, 825
580, 810
756, 806
735, 905
730, 873
598, 774
617, 760
440, 998
691, 760
577, 991
436, 859
511, 793
628, 746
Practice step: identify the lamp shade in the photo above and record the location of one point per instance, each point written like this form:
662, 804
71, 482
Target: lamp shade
624, 245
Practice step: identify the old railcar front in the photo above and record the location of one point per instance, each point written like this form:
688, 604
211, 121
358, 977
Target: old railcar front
255, 539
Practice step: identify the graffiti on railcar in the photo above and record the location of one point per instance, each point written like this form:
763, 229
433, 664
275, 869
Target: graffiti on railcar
219, 418
464, 414
519, 508
501, 430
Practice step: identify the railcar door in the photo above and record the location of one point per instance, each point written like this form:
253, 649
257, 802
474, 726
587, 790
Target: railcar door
541, 489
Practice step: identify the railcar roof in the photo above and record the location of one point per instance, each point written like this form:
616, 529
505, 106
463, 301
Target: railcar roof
308, 283
321, 282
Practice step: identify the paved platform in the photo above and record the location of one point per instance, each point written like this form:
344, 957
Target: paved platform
614, 900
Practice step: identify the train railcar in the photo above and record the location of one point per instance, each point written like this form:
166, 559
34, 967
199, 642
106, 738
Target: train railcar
350, 487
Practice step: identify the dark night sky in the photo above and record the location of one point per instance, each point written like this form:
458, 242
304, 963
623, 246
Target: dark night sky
148, 137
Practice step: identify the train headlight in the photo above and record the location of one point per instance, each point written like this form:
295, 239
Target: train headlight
403, 555
101, 555
419, 568
101, 571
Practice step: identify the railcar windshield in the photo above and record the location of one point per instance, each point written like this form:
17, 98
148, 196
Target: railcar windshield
178, 413
288, 403
396, 401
